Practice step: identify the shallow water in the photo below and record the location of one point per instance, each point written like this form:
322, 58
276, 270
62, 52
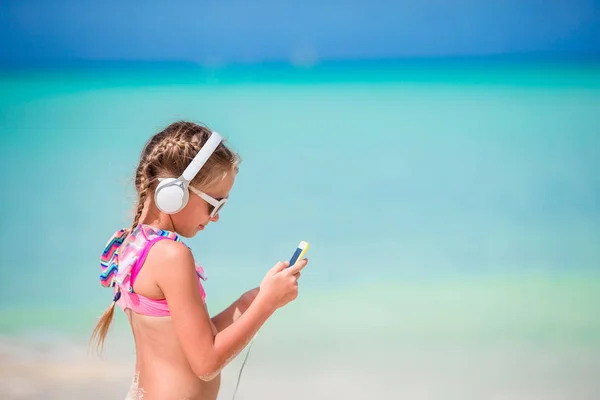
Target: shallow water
453, 215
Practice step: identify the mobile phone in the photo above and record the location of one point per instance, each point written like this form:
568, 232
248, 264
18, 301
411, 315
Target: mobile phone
299, 253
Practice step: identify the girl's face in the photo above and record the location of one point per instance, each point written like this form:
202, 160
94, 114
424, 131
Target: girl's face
197, 213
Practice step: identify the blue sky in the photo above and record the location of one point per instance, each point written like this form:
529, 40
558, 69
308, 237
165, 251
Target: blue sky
48, 31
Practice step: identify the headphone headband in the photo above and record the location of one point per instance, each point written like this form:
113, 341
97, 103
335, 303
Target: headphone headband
198, 162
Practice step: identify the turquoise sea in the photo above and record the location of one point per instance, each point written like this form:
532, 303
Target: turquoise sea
452, 206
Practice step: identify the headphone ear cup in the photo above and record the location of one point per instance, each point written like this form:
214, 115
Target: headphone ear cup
171, 196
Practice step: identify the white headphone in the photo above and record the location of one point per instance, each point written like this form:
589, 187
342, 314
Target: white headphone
172, 194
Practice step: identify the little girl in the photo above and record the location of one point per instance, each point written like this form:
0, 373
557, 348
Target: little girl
180, 350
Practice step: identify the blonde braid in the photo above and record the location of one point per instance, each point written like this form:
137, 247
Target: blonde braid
187, 147
143, 194
144, 178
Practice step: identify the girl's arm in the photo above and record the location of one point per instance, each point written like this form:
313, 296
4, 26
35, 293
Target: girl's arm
172, 266
235, 310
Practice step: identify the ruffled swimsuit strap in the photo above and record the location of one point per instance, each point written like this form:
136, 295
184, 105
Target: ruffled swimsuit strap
121, 266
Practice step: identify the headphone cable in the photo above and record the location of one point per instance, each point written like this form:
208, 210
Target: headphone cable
241, 369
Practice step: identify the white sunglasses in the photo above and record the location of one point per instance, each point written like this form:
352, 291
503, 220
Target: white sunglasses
216, 204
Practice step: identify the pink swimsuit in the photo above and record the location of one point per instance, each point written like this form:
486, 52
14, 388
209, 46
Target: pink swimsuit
121, 266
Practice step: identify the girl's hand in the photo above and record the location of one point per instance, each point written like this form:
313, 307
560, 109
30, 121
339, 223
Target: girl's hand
280, 285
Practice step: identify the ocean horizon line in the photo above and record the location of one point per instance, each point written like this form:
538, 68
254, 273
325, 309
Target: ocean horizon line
532, 71
529, 58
